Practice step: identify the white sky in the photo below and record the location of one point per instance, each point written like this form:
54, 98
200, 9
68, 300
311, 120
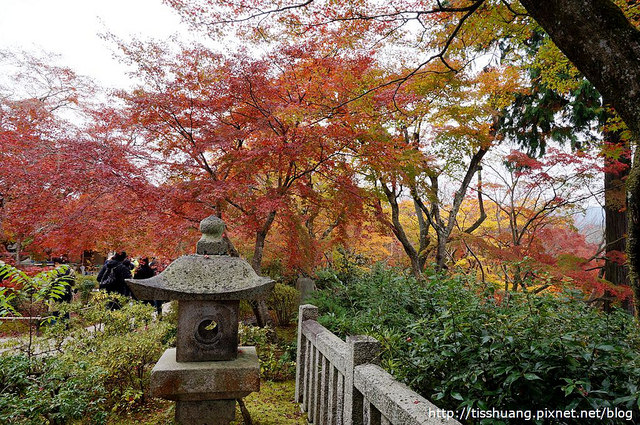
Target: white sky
71, 29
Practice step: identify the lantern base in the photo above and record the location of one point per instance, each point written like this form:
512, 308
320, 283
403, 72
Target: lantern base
203, 381
216, 412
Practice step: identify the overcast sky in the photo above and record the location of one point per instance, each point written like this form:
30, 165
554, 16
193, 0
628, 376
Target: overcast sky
71, 29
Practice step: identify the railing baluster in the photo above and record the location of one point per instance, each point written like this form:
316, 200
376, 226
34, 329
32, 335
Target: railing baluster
307, 378
301, 363
340, 400
305, 312
332, 393
317, 387
324, 389
312, 384
362, 350
370, 415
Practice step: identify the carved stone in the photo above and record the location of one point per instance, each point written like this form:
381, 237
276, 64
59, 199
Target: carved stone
206, 371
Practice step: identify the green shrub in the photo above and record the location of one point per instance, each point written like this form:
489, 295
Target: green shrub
128, 360
283, 300
252, 335
459, 347
84, 285
24, 295
328, 279
277, 363
125, 343
98, 362
49, 390
277, 358
32, 296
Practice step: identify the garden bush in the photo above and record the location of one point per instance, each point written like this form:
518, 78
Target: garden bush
460, 345
87, 367
277, 357
30, 293
125, 343
49, 390
283, 300
84, 285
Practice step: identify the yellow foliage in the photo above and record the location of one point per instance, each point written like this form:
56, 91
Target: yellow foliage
557, 72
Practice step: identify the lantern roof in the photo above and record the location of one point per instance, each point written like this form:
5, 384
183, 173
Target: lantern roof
210, 274
203, 277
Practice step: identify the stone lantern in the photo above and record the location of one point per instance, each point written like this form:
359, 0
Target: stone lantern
207, 371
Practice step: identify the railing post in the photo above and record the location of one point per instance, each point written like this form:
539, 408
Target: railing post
305, 312
361, 350
371, 415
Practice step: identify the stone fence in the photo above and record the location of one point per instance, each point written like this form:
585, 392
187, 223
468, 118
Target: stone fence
340, 383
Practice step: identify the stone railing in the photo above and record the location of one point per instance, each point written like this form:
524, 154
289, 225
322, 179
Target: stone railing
340, 383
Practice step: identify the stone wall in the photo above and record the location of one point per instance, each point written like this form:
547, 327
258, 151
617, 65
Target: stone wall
340, 383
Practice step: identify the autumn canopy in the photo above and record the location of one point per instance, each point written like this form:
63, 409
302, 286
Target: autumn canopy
466, 135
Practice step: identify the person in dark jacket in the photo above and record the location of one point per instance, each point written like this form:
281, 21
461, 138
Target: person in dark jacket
113, 274
145, 271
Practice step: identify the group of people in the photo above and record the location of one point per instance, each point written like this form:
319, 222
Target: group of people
118, 268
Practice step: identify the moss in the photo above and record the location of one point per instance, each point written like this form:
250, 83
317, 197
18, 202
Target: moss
11, 328
157, 412
273, 405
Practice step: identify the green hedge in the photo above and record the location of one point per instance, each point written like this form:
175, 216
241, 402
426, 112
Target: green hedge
459, 345
99, 365
50, 390
283, 300
277, 357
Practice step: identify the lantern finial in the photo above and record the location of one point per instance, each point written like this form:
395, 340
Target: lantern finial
212, 242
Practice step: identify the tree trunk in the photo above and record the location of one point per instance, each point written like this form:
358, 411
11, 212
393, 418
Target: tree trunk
600, 41
444, 232
261, 311
441, 250
517, 278
18, 251
424, 240
398, 230
615, 206
261, 237
259, 308
633, 237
